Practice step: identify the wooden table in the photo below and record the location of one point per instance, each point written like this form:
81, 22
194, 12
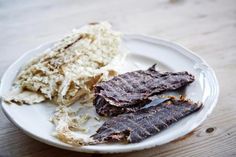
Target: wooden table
208, 27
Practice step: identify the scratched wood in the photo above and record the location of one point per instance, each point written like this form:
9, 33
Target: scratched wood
207, 27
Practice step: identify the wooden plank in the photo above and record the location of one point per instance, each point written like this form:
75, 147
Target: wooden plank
206, 27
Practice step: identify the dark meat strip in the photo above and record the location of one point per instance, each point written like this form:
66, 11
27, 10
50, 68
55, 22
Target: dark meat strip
130, 91
137, 126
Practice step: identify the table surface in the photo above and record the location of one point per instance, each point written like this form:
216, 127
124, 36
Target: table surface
208, 27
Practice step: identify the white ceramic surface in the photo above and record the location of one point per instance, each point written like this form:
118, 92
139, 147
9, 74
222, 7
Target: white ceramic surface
145, 51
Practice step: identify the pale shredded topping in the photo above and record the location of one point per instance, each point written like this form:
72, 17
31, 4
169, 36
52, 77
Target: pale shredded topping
26, 97
66, 121
68, 71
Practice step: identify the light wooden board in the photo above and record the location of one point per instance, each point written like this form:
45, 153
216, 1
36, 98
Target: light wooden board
207, 27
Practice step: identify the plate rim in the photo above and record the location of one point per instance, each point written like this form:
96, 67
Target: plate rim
143, 37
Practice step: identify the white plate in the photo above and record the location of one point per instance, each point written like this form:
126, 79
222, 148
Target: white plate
33, 119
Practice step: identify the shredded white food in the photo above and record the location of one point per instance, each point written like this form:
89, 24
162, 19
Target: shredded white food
66, 121
68, 71
26, 97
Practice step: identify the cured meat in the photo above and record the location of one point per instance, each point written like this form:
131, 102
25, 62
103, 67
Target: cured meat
137, 126
130, 91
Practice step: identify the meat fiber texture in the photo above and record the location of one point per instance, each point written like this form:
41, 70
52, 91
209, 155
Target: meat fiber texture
138, 126
130, 91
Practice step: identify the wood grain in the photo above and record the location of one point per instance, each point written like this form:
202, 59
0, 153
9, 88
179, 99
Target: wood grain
207, 27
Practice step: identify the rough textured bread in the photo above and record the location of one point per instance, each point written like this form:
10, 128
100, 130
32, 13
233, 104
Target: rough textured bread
68, 71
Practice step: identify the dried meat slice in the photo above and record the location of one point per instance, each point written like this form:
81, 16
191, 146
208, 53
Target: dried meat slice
128, 92
138, 126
